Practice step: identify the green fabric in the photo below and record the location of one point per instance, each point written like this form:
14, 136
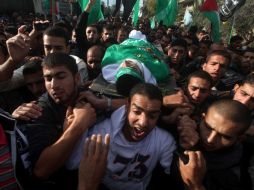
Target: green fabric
166, 11
128, 71
136, 11
95, 14
140, 50
46, 5
214, 18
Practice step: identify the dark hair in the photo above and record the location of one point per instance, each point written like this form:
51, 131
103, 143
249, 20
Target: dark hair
179, 42
57, 31
249, 79
222, 53
60, 59
31, 67
146, 89
234, 111
200, 74
108, 27
249, 49
65, 25
235, 38
125, 83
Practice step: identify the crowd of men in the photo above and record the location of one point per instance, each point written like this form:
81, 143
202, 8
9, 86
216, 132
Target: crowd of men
112, 106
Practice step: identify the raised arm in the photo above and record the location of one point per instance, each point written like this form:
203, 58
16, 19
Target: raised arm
18, 48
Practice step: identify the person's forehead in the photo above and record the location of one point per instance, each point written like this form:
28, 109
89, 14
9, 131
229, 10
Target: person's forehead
54, 70
91, 28
198, 80
177, 47
140, 98
215, 57
53, 40
247, 87
219, 122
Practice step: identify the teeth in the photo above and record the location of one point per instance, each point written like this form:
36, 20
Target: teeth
139, 129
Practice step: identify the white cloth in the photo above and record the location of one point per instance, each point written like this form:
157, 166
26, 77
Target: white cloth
130, 164
109, 72
82, 69
135, 34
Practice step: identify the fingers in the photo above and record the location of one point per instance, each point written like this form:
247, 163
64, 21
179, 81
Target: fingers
96, 148
99, 144
27, 111
22, 29
92, 146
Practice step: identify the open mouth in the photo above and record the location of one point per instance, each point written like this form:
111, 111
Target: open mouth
138, 132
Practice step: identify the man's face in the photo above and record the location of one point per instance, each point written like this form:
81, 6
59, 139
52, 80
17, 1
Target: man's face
176, 53
121, 36
216, 132
107, 34
216, 66
54, 44
248, 61
60, 84
94, 60
245, 95
198, 90
142, 115
91, 34
35, 83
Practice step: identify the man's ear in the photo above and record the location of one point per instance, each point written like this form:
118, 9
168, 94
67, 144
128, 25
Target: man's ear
203, 66
236, 87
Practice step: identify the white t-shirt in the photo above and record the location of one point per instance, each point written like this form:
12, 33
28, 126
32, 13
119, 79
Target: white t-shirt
130, 164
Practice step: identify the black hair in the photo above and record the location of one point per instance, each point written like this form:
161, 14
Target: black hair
249, 49
249, 79
149, 90
201, 74
179, 42
235, 38
222, 53
60, 59
235, 112
125, 83
31, 67
57, 31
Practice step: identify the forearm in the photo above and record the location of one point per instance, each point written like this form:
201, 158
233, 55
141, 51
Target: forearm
83, 186
54, 156
6, 69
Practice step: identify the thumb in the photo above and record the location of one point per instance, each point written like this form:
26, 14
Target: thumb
22, 29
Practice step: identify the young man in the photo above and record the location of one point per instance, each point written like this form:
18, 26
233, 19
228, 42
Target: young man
137, 144
216, 65
50, 139
197, 98
56, 39
218, 138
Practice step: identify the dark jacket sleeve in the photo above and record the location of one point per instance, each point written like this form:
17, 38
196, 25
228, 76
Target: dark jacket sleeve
81, 28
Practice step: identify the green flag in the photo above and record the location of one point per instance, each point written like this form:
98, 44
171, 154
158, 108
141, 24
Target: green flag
141, 51
136, 11
95, 14
166, 11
